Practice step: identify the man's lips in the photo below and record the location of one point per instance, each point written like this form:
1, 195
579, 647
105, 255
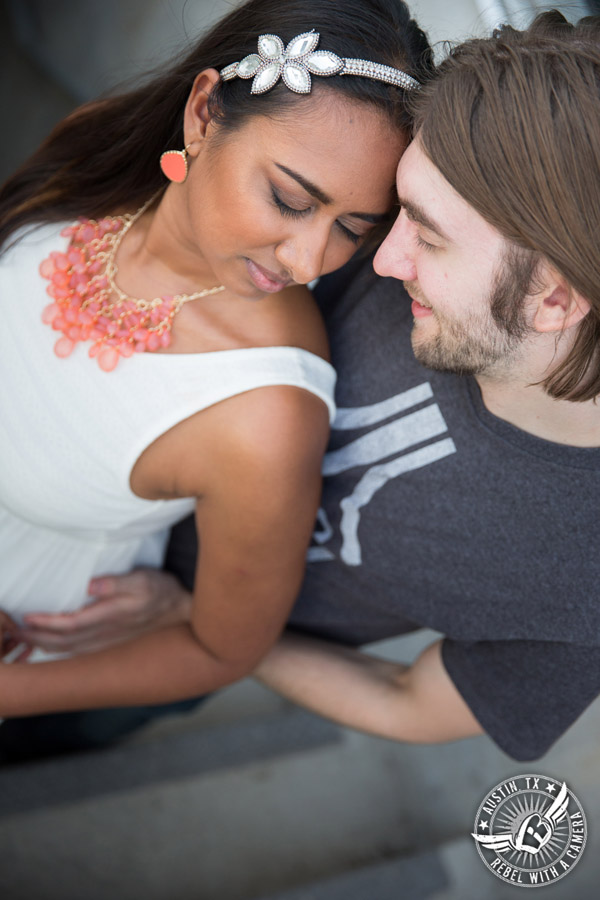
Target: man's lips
418, 309
264, 279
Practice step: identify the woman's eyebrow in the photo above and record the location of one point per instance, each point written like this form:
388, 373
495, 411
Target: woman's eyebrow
325, 199
308, 186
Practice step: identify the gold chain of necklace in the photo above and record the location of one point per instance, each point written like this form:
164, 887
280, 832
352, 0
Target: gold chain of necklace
111, 271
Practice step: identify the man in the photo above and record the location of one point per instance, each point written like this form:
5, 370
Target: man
462, 477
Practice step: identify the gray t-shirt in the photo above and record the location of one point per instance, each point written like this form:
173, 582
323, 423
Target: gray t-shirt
436, 513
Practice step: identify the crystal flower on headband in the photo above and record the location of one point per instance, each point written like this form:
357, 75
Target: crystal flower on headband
295, 63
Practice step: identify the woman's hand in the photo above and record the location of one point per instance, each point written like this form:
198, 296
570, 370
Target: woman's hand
124, 606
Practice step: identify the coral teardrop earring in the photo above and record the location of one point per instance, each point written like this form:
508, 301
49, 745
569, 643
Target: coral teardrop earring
174, 165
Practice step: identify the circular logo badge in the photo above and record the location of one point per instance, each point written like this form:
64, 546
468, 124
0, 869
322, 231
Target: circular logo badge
530, 830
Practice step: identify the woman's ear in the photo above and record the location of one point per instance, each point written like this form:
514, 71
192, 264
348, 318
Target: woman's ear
197, 116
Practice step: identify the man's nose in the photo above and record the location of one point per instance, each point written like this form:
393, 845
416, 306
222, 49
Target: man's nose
395, 257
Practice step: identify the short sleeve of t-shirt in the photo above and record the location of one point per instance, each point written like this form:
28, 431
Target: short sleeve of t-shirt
525, 694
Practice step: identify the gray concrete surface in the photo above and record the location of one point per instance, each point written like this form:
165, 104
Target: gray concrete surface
350, 806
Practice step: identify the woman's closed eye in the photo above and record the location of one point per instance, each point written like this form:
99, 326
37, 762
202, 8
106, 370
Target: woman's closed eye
295, 213
351, 235
286, 210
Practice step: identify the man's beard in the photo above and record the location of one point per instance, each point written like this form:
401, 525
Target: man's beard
489, 340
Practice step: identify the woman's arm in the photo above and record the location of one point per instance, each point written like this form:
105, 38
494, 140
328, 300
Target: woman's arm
417, 703
254, 463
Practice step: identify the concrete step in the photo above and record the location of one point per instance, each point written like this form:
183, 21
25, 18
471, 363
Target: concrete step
349, 813
468, 878
249, 797
114, 825
171, 757
418, 877
451, 871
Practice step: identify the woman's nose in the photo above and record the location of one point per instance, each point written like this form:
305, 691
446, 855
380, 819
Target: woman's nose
395, 257
303, 254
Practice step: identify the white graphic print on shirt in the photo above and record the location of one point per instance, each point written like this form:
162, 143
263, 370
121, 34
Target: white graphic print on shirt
382, 442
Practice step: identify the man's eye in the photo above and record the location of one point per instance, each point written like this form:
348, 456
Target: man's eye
422, 243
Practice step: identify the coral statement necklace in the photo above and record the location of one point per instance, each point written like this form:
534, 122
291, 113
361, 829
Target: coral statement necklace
82, 285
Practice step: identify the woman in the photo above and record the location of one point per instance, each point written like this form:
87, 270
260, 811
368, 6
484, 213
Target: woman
281, 148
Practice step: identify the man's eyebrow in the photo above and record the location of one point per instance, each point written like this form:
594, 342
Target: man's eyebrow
325, 199
417, 214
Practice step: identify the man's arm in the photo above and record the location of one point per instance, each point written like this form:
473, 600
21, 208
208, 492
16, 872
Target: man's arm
417, 703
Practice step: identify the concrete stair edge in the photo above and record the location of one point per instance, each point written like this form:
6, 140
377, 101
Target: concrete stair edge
71, 779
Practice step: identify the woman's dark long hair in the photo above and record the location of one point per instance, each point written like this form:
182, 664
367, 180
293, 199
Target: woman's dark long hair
104, 157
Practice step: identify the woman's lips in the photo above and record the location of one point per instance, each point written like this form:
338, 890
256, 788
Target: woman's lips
265, 280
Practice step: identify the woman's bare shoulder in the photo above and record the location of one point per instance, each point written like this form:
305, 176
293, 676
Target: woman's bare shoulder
297, 321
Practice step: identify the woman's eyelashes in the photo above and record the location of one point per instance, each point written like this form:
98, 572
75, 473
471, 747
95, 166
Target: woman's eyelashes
286, 210
294, 213
351, 235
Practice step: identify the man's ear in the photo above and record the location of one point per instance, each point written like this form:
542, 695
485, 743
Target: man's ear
558, 305
197, 116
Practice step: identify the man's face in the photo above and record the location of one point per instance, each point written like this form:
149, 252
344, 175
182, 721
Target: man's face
468, 317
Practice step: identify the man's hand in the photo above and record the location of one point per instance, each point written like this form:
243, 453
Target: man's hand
124, 606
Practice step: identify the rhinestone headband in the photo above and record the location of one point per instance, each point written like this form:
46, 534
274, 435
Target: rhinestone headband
299, 59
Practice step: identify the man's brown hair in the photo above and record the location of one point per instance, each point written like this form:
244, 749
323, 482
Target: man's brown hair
513, 124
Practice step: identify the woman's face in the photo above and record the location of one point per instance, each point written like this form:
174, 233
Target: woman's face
285, 199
